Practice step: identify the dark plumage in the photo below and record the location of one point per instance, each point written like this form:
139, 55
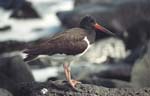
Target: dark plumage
71, 42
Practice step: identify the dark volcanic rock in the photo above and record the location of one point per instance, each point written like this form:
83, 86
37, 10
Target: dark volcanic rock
135, 54
21, 8
12, 72
82, 2
5, 28
137, 29
141, 70
60, 88
4, 92
11, 4
139, 34
25, 11
116, 71
109, 83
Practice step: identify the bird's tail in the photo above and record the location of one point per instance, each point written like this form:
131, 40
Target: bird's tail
29, 57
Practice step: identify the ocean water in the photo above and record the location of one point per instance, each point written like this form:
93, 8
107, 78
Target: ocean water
32, 29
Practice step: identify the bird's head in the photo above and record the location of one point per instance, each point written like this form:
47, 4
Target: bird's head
89, 23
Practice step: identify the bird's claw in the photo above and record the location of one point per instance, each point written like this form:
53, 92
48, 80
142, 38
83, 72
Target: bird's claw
73, 83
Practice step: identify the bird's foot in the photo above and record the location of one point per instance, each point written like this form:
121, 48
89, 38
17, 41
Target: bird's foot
73, 83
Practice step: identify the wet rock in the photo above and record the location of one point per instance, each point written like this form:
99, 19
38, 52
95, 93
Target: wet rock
12, 72
60, 88
5, 28
21, 8
25, 11
141, 69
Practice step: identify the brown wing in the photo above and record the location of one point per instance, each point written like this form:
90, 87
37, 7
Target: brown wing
70, 42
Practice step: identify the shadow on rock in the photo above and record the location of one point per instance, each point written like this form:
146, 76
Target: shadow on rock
12, 72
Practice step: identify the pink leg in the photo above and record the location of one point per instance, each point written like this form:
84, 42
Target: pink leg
68, 76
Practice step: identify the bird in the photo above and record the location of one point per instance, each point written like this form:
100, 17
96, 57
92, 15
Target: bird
70, 44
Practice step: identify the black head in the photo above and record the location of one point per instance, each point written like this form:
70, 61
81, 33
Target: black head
89, 23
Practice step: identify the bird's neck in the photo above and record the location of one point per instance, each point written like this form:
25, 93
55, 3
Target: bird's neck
91, 34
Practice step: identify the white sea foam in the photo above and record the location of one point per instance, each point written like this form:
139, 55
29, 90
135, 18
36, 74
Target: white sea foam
24, 30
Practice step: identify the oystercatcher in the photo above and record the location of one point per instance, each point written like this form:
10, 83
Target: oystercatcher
71, 43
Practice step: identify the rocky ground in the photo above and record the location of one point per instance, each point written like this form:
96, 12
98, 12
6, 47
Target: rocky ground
59, 88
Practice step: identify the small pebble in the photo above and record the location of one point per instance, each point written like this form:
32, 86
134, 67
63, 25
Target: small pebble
44, 91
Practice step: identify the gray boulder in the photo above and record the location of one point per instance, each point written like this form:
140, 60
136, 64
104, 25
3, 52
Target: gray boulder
140, 74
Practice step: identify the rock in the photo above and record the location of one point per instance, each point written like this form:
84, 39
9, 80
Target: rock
116, 71
25, 11
4, 92
60, 88
134, 55
140, 32
109, 83
10, 4
141, 70
5, 83
137, 29
21, 9
5, 28
13, 71
82, 2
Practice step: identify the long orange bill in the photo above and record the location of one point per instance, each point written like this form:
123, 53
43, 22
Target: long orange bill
101, 28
